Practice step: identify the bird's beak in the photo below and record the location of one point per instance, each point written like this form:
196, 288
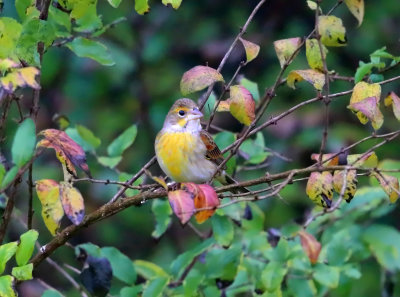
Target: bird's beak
195, 114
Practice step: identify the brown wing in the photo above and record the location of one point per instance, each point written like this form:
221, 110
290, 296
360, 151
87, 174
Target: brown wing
213, 153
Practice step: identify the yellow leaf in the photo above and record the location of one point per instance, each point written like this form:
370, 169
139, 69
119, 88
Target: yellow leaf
364, 102
157, 179
224, 105
356, 7
48, 191
174, 3
72, 202
242, 105
331, 30
313, 54
251, 49
314, 77
20, 77
351, 183
6, 64
365, 161
320, 188
389, 184
285, 48
393, 100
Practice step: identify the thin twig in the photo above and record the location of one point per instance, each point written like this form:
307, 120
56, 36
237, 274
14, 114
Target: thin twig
8, 212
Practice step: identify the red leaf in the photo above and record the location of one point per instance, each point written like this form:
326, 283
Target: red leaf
310, 245
68, 151
182, 204
207, 198
198, 78
242, 105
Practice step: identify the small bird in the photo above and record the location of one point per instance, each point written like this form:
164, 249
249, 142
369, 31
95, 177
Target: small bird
186, 152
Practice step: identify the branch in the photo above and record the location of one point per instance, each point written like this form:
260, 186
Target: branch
7, 212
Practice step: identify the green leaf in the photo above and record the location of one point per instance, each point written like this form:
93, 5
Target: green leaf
21, 6
302, 287
6, 286
51, 293
384, 243
251, 86
273, 275
26, 246
162, 213
326, 275
223, 230
110, 162
174, 3
281, 252
122, 142
86, 48
2, 172
149, 270
183, 260
24, 142
23, 272
131, 291
121, 265
142, 6
155, 287
9, 177
364, 69
10, 31
114, 3
254, 149
90, 248
6, 252
192, 282
88, 136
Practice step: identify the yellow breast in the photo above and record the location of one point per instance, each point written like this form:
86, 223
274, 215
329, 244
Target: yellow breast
174, 150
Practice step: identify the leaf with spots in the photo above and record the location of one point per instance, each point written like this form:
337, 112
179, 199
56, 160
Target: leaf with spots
314, 77
393, 100
285, 48
320, 188
72, 202
310, 245
48, 191
242, 105
390, 184
332, 31
364, 102
356, 7
350, 181
313, 53
198, 78
251, 49
182, 204
224, 105
67, 150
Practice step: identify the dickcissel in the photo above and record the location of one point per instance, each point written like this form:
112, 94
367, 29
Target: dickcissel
186, 152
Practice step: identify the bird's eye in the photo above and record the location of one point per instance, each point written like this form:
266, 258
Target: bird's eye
181, 113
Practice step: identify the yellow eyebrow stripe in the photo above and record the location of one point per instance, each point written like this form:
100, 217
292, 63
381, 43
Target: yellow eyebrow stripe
181, 108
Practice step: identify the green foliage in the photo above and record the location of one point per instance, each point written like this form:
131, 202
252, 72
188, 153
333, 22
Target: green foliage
24, 143
162, 213
6, 286
223, 230
23, 272
87, 48
122, 142
26, 246
6, 252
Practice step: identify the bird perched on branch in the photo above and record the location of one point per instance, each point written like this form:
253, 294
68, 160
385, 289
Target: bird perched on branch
186, 152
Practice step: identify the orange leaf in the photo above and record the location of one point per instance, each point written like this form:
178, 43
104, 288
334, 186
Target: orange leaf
310, 245
198, 78
204, 197
182, 204
332, 162
242, 105
67, 151
72, 202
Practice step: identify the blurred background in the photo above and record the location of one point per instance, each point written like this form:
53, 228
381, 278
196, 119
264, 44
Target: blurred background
151, 54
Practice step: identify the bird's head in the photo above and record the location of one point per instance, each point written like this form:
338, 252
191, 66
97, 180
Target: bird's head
183, 115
